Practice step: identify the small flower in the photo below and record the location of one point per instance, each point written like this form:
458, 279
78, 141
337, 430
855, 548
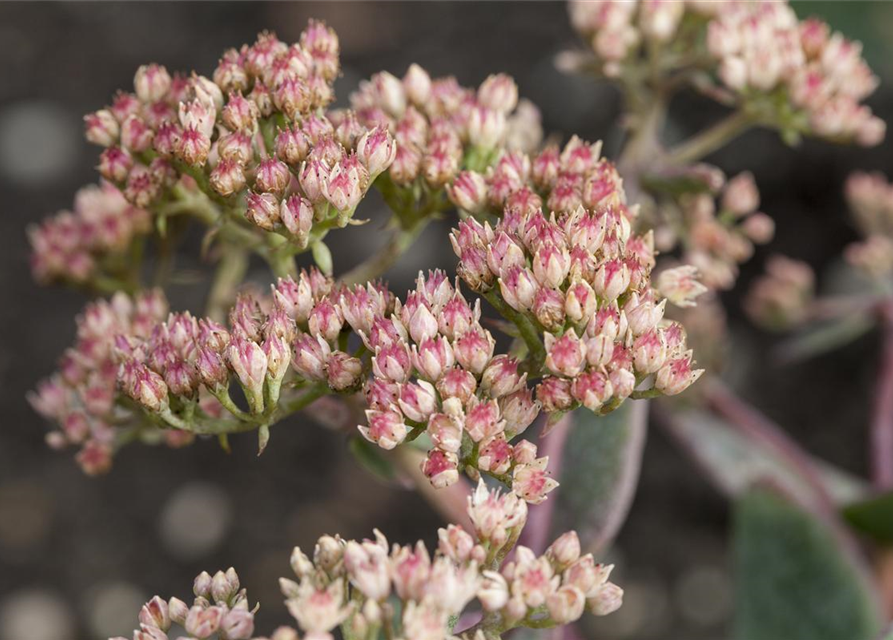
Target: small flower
385, 428
376, 151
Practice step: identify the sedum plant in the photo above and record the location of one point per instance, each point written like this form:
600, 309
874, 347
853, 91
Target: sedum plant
578, 283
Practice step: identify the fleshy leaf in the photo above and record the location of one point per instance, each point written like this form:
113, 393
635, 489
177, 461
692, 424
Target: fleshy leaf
370, 457
794, 579
873, 517
735, 463
600, 466
816, 339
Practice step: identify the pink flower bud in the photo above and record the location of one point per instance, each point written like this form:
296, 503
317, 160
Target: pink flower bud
344, 372
677, 375
548, 307
499, 92
203, 623
376, 151
313, 179
439, 167
495, 456
311, 355
211, 368
296, 298
392, 362
194, 147
237, 624
566, 604
385, 428
224, 586
293, 97
486, 127
473, 350
566, 355
382, 394
230, 75
469, 191
545, 167
240, 113
101, 128
278, 355
272, 176
758, 227
418, 400
494, 591
532, 482
136, 135
227, 177
155, 614
326, 320
292, 146
151, 82
411, 569
650, 351
611, 279
296, 214
741, 196
198, 115
644, 316
456, 317
580, 303
181, 378
518, 410
115, 164
262, 209
456, 383
236, 146
599, 350
501, 377
680, 286
623, 381
441, 468
178, 610
482, 421
249, 363
349, 131
554, 394
417, 84
504, 254
518, 288
407, 164
607, 599
455, 543
445, 432
564, 551
473, 268
592, 389
144, 386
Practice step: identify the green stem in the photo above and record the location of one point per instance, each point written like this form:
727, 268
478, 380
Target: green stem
529, 333
711, 139
400, 241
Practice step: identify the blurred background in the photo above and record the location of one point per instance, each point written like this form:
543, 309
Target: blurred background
78, 556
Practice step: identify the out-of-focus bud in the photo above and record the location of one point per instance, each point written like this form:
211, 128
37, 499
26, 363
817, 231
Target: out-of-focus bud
407, 164
741, 195
564, 551
486, 127
498, 92
385, 428
227, 177
237, 624
136, 135
469, 191
151, 82
224, 586
101, 128
115, 164
554, 394
493, 592
240, 113
680, 285
417, 84
607, 599
441, 468
177, 610
203, 623
155, 613
566, 604
263, 210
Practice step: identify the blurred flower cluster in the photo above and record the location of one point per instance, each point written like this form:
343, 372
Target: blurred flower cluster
757, 56
366, 587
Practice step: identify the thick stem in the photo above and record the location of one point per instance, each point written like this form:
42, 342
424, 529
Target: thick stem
711, 139
400, 241
881, 441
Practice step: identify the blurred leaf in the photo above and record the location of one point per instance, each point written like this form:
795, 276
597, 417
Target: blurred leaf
819, 338
794, 580
735, 463
599, 473
370, 458
873, 517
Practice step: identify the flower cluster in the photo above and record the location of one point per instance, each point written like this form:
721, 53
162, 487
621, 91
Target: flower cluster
580, 277
795, 74
441, 127
364, 586
717, 229
220, 610
870, 199
81, 397
781, 298
255, 139
72, 244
